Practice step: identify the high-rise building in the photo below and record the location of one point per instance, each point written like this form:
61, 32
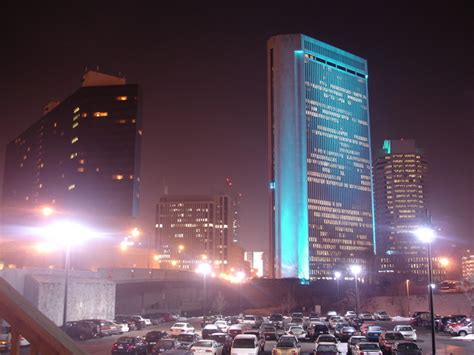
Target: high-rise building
401, 207
193, 229
83, 155
320, 158
468, 268
257, 262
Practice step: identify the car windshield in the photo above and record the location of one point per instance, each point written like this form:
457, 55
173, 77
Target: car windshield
320, 327
327, 347
357, 340
374, 329
394, 336
126, 340
243, 343
276, 317
369, 346
219, 338
179, 325
189, 338
326, 339
407, 346
249, 318
165, 343
405, 329
286, 343
348, 329
203, 344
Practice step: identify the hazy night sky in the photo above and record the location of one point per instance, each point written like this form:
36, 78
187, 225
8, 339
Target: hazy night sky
202, 69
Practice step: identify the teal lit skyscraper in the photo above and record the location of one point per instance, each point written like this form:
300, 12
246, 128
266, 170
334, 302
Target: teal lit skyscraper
320, 159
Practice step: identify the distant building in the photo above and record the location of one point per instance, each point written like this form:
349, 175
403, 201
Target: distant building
468, 268
193, 229
321, 206
83, 155
401, 207
257, 262
237, 260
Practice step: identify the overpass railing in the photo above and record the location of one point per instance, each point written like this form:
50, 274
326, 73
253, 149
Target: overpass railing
27, 321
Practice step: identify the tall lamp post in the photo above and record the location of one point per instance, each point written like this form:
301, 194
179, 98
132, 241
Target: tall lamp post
356, 270
204, 269
407, 282
337, 276
427, 235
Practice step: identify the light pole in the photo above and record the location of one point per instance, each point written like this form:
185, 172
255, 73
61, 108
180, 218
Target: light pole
204, 269
427, 235
408, 295
356, 270
337, 276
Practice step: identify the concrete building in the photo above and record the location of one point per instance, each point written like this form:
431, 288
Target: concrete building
257, 262
193, 229
320, 159
468, 268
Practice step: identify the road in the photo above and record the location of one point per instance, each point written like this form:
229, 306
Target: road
444, 343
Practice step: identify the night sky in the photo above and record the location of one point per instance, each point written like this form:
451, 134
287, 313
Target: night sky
202, 69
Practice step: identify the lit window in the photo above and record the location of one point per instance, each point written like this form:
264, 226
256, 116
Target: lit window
40, 186
80, 169
101, 114
131, 177
134, 120
76, 117
117, 177
73, 155
75, 124
55, 124
140, 132
74, 140
121, 121
71, 187
97, 169
77, 109
82, 161
84, 114
121, 98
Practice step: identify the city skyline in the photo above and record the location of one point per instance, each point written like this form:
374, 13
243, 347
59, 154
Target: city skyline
203, 121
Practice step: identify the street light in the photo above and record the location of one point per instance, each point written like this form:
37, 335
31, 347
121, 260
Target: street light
427, 235
356, 270
66, 234
408, 295
204, 269
337, 276
47, 211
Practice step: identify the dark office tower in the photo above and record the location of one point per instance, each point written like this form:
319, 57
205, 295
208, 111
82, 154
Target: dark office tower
320, 159
83, 155
401, 208
193, 229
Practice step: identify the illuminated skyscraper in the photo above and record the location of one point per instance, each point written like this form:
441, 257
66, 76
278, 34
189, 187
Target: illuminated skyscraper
320, 158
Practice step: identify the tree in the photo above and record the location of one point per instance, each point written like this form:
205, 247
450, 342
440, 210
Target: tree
219, 303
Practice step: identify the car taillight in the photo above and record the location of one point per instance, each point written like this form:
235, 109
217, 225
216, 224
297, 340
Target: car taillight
208, 351
294, 352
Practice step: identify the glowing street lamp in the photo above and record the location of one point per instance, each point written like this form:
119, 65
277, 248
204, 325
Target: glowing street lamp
444, 262
204, 269
135, 232
356, 270
180, 248
47, 211
427, 235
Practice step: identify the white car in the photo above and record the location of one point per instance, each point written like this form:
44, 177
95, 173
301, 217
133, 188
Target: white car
250, 320
222, 325
245, 344
367, 349
140, 318
122, 327
180, 328
206, 347
350, 314
407, 331
462, 330
297, 331
334, 320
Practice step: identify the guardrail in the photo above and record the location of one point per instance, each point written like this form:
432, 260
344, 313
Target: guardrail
27, 321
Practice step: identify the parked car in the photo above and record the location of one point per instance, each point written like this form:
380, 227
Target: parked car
387, 339
287, 345
82, 330
406, 348
260, 337
381, 315
123, 327
353, 341
208, 330
185, 340
103, 327
333, 321
298, 331
326, 349
269, 331
5, 342
366, 316
222, 325
316, 329
277, 320
129, 345
346, 333
146, 320
234, 330
206, 347
350, 315
326, 338
132, 323
364, 327
373, 333
367, 349
407, 331
225, 340
245, 344
179, 328
153, 337
250, 320
164, 344
462, 330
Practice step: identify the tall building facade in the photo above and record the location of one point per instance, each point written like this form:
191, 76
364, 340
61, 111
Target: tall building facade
83, 155
468, 268
320, 158
193, 229
401, 207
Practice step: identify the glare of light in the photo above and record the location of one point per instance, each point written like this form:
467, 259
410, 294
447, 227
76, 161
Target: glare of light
135, 232
47, 211
213, 274
123, 245
204, 268
180, 248
337, 275
45, 248
204, 257
356, 269
67, 233
156, 257
444, 262
174, 262
240, 276
433, 286
425, 234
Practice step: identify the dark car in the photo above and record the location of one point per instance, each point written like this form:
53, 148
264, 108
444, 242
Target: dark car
373, 333
387, 339
153, 337
345, 333
406, 348
269, 332
316, 329
82, 330
225, 340
208, 320
186, 340
326, 349
210, 329
277, 320
353, 341
129, 345
104, 327
165, 344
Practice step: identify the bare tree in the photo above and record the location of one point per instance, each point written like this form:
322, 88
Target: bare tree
219, 303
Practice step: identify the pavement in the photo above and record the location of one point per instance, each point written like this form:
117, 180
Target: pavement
445, 344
